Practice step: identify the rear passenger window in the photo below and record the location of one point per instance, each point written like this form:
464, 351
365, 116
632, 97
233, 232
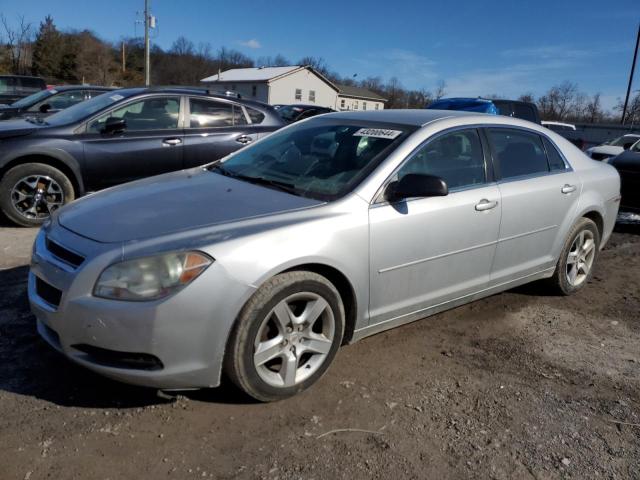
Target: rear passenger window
255, 115
207, 113
455, 157
555, 160
518, 153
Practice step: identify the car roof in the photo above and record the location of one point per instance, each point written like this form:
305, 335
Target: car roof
413, 117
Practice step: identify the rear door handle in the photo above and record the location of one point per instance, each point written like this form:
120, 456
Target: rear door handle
568, 188
171, 141
485, 204
244, 139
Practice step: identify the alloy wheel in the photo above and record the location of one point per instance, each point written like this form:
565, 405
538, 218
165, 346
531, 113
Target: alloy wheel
580, 258
294, 340
36, 196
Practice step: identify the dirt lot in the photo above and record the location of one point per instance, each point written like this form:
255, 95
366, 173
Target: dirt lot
519, 385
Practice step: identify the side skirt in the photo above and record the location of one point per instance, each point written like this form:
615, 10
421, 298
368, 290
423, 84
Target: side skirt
441, 307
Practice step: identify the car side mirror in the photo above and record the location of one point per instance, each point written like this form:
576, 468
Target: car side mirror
416, 185
114, 125
44, 108
627, 146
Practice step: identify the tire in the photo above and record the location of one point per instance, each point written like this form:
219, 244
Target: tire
31, 191
563, 280
266, 330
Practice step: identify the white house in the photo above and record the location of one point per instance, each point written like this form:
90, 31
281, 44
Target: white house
294, 84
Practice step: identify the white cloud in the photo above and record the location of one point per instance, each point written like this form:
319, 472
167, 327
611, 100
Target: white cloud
253, 43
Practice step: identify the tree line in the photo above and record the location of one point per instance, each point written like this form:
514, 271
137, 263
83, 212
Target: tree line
80, 56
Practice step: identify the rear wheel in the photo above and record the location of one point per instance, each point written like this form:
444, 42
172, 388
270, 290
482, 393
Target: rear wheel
31, 192
286, 336
575, 266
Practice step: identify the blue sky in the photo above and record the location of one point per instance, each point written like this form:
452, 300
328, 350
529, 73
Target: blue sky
477, 47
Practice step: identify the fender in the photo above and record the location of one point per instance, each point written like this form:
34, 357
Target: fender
47, 151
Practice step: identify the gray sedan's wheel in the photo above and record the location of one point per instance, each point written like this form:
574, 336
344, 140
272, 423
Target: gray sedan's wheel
286, 336
31, 192
575, 266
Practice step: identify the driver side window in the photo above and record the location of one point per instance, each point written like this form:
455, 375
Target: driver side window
455, 157
156, 113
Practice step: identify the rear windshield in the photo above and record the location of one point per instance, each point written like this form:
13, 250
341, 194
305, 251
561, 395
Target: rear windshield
290, 112
318, 159
622, 141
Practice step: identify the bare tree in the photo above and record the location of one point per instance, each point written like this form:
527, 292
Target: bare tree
441, 90
19, 44
182, 46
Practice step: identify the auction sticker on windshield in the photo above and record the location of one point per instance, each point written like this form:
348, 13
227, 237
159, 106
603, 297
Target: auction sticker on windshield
377, 133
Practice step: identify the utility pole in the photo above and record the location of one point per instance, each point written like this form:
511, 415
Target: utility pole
147, 72
633, 67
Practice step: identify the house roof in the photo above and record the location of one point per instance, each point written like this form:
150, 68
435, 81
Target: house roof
359, 92
259, 74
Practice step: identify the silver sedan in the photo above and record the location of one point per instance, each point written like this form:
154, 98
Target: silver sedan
261, 265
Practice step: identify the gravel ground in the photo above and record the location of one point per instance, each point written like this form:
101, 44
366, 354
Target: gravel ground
518, 385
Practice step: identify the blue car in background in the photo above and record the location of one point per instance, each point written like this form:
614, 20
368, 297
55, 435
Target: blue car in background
510, 108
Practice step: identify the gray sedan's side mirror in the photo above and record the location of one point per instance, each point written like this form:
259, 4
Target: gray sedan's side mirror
416, 185
44, 108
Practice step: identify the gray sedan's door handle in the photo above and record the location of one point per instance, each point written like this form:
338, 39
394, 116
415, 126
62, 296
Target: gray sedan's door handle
485, 204
172, 141
244, 139
568, 188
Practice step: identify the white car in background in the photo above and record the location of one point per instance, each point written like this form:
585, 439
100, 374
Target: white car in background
614, 147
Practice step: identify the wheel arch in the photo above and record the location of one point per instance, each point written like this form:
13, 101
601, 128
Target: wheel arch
597, 218
64, 165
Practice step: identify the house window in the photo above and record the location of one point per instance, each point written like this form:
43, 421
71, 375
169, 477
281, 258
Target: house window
364, 105
377, 105
342, 103
254, 90
312, 95
298, 94
355, 104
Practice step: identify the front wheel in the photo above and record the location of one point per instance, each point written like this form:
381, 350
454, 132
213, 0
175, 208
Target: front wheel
578, 257
31, 192
286, 336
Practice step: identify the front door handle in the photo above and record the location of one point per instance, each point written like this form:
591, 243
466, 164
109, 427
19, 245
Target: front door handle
244, 139
485, 204
568, 188
171, 141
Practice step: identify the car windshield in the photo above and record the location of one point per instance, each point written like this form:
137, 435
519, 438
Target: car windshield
290, 112
31, 99
318, 159
83, 110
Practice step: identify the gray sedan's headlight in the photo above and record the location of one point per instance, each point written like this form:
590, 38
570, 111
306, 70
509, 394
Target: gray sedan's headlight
150, 278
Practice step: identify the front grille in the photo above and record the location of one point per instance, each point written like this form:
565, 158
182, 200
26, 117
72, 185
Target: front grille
64, 254
113, 358
48, 293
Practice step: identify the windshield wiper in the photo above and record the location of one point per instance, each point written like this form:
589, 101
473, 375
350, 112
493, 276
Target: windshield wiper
278, 185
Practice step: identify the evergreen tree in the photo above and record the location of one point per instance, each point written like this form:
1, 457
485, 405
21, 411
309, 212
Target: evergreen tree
47, 49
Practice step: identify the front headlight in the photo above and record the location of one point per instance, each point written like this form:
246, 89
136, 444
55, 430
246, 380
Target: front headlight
150, 278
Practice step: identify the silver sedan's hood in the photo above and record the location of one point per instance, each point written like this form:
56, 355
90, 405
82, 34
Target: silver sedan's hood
170, 203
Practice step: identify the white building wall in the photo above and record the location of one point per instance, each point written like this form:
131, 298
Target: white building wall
245, 89
349, 103
283, 90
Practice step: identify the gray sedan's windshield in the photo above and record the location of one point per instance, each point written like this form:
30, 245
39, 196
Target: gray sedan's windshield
31, 99
82, 110
322, 160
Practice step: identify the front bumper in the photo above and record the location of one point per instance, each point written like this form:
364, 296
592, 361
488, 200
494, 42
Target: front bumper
185, 332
